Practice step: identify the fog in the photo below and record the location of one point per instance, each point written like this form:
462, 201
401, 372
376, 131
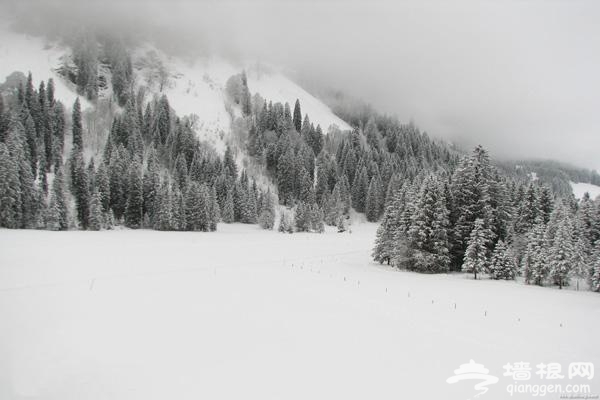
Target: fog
522, 78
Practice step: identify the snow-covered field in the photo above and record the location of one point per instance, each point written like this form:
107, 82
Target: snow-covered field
249, 314
579, 189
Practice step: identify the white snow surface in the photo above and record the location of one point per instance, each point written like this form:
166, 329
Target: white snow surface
579, 189
276, 87
244, 313
24, 53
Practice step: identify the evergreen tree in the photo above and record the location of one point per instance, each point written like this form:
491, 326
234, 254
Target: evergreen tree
476, 258
80, 187
502, 265
58, 203
297, 119
373, 201
561, 254
266, 218
135, 196
96, 216
77, 129
228, 211
428, 234
10, 194
359, 190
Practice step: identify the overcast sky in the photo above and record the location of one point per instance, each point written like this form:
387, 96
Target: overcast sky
520, 77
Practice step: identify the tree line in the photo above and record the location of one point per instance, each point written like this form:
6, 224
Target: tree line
478, 221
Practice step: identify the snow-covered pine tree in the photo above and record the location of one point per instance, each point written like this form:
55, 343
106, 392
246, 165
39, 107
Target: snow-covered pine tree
96, 216
360, 187
77, 129
316, 218
561, 254
297, 118
60, 199
534, 263
502, 265
10, 193
214, 214
476, 255
135, 196
227, 214
595, 269
427, 249
374, 200
386, 233
266, 218
302, 217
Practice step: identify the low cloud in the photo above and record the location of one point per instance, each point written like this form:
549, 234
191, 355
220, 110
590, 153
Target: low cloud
520, 77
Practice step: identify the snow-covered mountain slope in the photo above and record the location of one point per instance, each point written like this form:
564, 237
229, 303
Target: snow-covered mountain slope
579, 189
24, 53
276, 87
194, 88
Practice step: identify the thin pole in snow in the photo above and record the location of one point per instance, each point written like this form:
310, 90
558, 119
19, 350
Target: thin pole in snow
455, 306
92, 284
485, 313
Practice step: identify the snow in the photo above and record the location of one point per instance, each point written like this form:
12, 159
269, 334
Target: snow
253, 314
194, 87
579, 189
274, 86
24, 53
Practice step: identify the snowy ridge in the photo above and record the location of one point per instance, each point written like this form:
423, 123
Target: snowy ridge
579, 189
195, 88
20, 52
276, 87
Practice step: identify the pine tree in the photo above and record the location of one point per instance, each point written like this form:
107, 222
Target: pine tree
228, 213
10, 194
229, 163
80, 187
135, 196
316, 219
214, 210
96, 216
374, 200
302, 217
595, 270
561, 254
266, 218
77, 126
385, 242
476, 258
58, 203
428, 234
297, 119
359, 190
502, 265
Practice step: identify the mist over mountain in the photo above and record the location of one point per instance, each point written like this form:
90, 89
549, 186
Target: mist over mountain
518, 77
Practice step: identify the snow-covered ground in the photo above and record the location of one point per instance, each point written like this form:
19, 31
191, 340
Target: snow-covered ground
579, 189
250, 314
